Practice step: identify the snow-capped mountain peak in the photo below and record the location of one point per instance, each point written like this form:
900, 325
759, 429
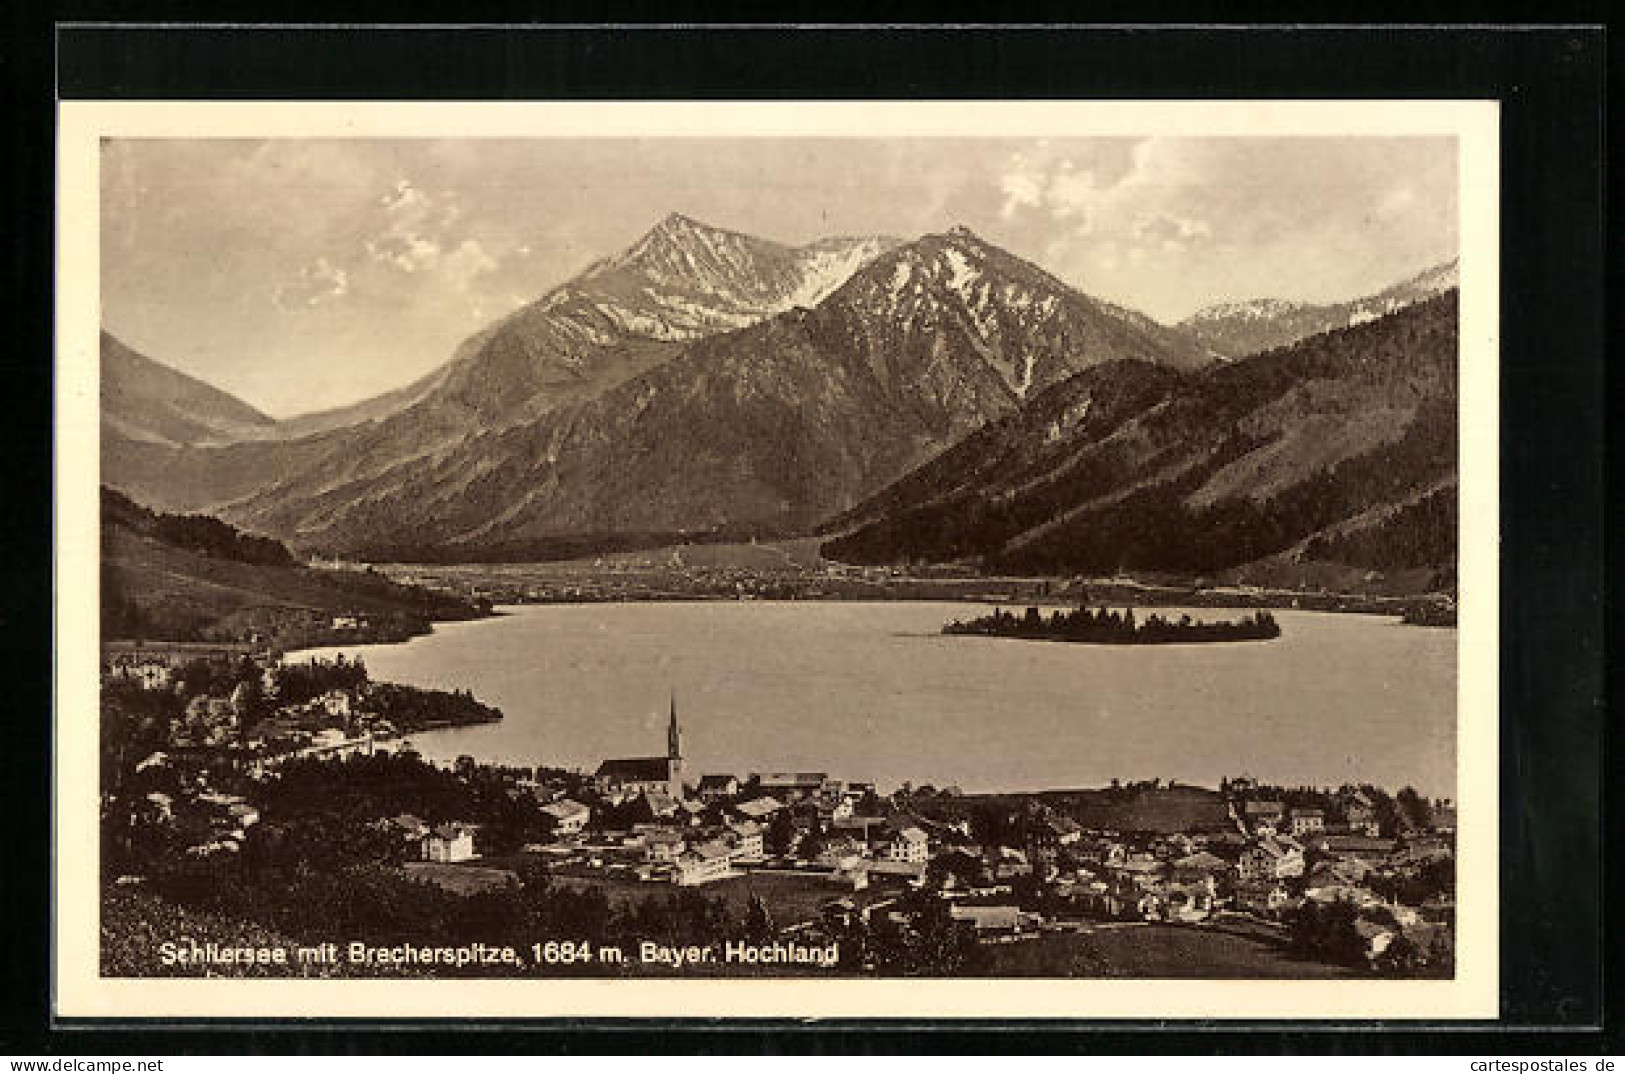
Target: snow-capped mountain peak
971, 313
1241, 328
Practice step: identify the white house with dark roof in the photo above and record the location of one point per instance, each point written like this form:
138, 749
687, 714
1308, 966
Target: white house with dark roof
746, 839
716, 787
567, 816
448, 842
664, 846
1306, 821
911, 845
1271, 859
703, 863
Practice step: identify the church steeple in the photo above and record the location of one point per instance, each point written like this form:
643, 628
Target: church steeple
674, 747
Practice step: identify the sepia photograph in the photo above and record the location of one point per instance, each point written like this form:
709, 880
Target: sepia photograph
787, 545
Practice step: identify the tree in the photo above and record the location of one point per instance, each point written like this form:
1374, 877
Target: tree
1441, 956
781, 834
1327, 933
1399, 959
758, 922
1414, 807
937, 945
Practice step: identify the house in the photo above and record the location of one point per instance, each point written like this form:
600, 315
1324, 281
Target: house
1337, 873
703, 863
152, 673
1262, 815
1351, 893
837, 810
1361, 818
841, 852
1197, 867
1423, 847
630, 776
664, 847
715, 788
346, 622
141, 661
1271, 858
1269, 898
1444, 817
335, 703
790, 786
1011, 863
448, 842
1305, 821
910, 872
746, 839
1140, 869
1190, 902
1363, 847
1263, 809
1054, 830
332, 744
992, 922
659, 803
567, 816
758, 809
910, 845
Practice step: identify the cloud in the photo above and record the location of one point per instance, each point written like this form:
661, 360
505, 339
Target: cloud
403, 198
1043, 180
466, 263
417, 231
318, 282
407, 245
1170, 231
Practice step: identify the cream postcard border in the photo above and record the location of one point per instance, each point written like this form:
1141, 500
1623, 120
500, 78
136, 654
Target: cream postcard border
80, 993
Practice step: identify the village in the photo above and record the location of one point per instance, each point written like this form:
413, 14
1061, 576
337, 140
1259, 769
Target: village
818, 852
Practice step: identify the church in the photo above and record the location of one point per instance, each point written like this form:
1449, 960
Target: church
637, 775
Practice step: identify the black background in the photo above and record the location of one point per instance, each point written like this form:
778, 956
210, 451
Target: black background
1551, 83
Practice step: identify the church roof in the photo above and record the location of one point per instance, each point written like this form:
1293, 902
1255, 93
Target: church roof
636, 769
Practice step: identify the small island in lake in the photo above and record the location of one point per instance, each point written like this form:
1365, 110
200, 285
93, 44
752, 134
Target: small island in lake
1107, 627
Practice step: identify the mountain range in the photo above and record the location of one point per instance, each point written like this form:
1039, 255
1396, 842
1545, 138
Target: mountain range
144, 401
613, 410
1237, 329
1340, 448
707, 384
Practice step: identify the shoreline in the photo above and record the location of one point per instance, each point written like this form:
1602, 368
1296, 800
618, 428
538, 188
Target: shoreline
508, 609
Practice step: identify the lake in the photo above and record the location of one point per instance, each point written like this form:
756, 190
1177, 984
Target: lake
872, 691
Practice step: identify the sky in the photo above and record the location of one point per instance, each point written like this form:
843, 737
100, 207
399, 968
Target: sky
302, 274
